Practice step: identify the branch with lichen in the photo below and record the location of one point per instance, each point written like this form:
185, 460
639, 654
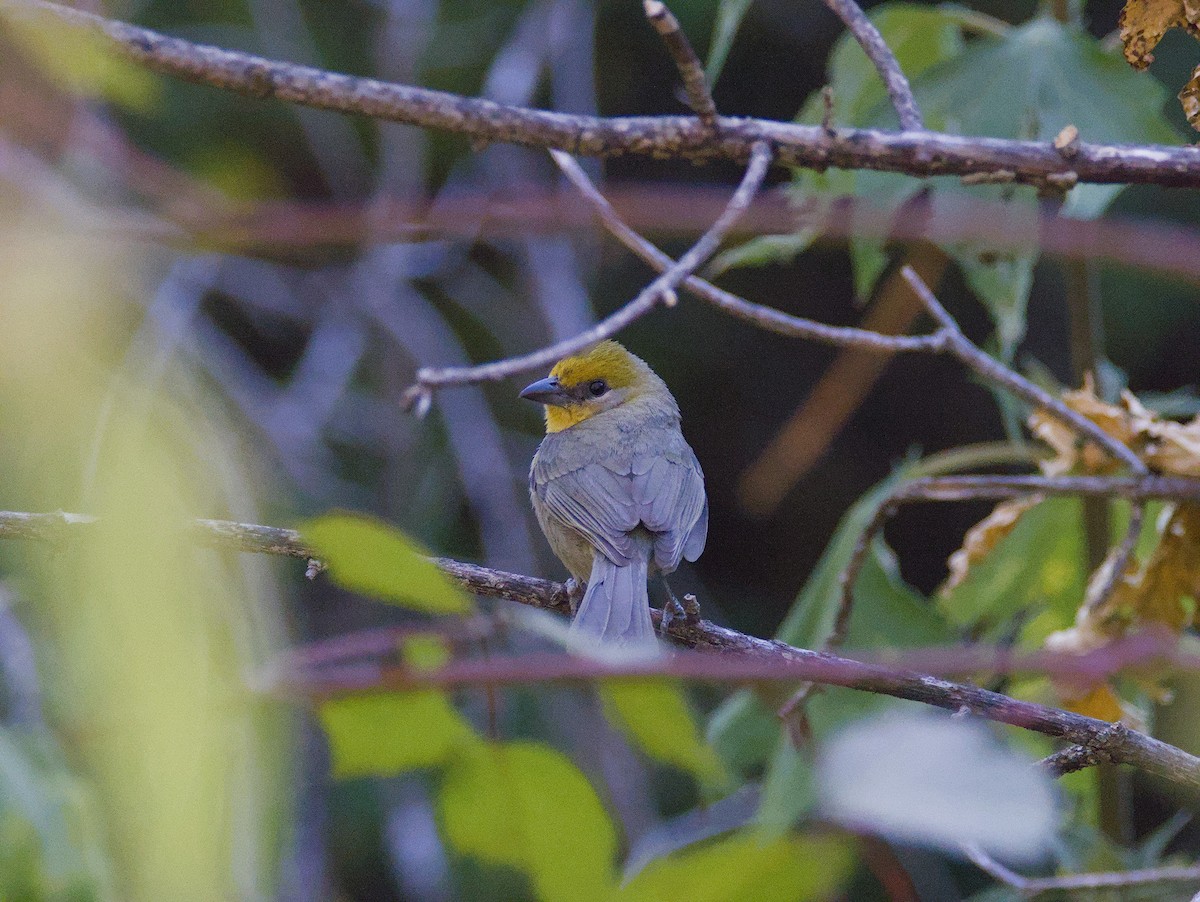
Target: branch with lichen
915, 153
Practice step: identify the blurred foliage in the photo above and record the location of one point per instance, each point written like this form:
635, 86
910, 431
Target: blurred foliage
146, 382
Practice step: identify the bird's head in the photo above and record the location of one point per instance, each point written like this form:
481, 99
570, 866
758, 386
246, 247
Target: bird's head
586, 384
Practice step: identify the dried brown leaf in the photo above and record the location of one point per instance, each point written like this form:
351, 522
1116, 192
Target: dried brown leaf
1189, 99
985, 536
1144, 22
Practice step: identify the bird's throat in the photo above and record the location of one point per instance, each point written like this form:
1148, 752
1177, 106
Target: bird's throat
560, 418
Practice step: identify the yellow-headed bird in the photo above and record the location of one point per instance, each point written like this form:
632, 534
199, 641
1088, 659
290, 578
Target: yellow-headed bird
616, 488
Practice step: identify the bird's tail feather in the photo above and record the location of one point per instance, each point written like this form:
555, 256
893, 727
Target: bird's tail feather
616, 606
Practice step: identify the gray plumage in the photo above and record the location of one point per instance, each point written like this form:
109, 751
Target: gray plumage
619, 496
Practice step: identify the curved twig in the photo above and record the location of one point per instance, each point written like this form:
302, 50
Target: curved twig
661, 290
682, 137
756, 314
885, 62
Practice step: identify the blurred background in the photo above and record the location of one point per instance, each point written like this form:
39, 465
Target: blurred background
220, 301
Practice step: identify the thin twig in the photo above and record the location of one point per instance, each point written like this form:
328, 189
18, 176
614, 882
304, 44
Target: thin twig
885, 63
1032, 887
690, 69
994, 371
682, 137
763, 317
1137, 489
661, 290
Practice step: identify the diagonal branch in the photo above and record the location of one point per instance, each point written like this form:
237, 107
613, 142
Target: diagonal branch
741, 658
661, 290
763, 317
681, 137
884, 61
1033, 887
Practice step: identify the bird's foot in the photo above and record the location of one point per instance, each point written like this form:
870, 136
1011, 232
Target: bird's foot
671, 612
575, 590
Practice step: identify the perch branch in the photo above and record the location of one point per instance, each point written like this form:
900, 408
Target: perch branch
662, 289
916, 153
741, 658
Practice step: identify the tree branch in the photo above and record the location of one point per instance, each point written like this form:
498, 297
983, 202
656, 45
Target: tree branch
764, 318
914, 153
742, 658
662, 289
685, 59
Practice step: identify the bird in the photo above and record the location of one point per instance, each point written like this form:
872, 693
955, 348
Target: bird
615, 487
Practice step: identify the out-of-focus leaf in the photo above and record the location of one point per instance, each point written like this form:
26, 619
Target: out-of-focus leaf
383, 735
77, 59
366, 555
657, 718
762, 250
788, 792
50, 847
982, 538
729, 20
745, 866
525, 806
935, 781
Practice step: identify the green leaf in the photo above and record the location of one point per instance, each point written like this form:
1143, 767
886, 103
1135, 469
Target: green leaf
729, 20
788, 790
383, 735
745, 866
1038, 566
368, 556
78, 59
525, 806
657, 718
762, 250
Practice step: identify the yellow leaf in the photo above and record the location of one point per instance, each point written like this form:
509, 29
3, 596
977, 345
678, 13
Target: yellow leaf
1101, 703
1144, 22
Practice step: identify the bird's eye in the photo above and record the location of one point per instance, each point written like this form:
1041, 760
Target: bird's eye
598, 387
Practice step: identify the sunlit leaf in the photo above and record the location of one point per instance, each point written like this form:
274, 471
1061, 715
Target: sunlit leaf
525, 806
745, 866
366, 555
932, 780
657, 718
383, 735
78, 59
1038, 565
1144, 22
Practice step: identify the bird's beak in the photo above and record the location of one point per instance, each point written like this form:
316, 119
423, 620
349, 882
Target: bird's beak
546, 391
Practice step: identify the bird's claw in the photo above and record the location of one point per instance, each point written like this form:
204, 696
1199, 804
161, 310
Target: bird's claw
575, 590
671, 612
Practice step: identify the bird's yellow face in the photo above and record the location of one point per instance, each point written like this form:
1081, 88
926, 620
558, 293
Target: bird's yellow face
583, 385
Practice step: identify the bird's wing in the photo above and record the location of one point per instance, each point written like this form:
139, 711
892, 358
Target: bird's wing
665, 494
598, 504
669, 492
